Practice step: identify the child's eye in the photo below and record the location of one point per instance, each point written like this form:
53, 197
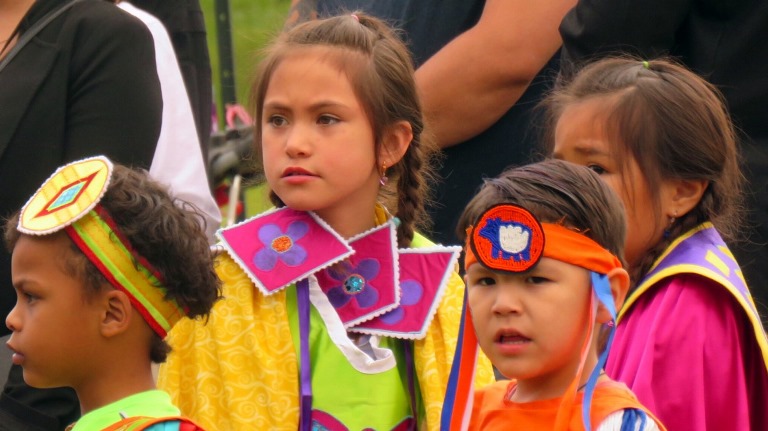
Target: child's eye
484, 281
277, 121
327, 120
536, 280
29, 297
597, 168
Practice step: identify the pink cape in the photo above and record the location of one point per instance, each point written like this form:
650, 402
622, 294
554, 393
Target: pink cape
688, 351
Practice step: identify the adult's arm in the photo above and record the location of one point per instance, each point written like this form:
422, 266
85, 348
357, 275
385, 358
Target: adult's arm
471, 82
115, 105
595, 28
178, 160
300, 11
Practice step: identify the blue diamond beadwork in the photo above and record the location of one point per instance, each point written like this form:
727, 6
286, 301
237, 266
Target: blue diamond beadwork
354, 284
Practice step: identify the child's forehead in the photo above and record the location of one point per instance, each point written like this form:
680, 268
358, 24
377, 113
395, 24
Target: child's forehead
339, 56
38, 252
544, 265
57, 240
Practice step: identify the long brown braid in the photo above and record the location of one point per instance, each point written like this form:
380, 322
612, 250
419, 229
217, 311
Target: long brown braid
380, 69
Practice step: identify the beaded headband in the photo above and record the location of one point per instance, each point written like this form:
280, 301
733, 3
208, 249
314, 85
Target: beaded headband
69, 201
509, 238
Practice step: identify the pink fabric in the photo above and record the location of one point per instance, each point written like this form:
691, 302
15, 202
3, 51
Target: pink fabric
279, 247
688, 351
423, 277
374, 267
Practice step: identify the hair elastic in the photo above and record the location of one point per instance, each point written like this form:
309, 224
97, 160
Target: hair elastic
357, 18
646, 65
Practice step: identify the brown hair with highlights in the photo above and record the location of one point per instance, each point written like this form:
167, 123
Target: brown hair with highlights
675, 125
380, 69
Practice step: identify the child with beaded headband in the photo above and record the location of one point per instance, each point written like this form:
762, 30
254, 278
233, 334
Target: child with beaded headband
661, 137
542, 275
104, 265
336, 314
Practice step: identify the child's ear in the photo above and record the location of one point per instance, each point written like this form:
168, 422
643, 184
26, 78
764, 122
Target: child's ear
681, 196
116, 314
619, 280
397, 138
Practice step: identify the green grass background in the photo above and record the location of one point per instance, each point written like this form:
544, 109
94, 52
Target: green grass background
254, 23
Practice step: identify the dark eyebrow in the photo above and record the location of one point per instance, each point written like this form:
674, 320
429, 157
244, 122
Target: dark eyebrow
317, 106
585, 150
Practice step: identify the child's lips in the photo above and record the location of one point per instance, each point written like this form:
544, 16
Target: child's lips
17, 358
296, 171
511, 342
510, 336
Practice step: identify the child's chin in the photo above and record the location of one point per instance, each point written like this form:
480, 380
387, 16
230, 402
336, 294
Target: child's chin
506, 374
37, 381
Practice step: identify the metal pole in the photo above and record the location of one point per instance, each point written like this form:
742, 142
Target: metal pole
226, 53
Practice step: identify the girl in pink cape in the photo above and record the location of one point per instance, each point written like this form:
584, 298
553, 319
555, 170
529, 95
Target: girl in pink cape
689, 340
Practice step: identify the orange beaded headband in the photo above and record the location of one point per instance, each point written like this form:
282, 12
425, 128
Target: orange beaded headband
509, 238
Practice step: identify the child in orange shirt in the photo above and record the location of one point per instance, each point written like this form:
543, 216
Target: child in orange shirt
104, 264
542, 272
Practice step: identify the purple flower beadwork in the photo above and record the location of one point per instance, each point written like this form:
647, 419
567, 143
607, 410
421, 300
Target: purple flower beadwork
355, 282
411, 294
281, 246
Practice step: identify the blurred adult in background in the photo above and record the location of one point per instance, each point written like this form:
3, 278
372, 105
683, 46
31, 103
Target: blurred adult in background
85, 84
178, 161
482, 66
722, 41
183, 19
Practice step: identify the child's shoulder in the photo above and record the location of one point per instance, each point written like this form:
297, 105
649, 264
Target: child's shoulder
422, 241
493, 392
144, 423
629, 419
689, 294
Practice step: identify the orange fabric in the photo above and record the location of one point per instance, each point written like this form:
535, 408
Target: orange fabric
569, 400
492, 411
565, 245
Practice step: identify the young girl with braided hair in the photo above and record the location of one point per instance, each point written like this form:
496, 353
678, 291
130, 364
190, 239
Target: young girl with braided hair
336, 314
689, 340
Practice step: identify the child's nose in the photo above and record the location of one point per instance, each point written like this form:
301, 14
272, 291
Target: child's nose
506, 302
298, 142
13, 320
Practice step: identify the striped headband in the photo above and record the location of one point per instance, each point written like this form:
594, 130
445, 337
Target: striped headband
69, 201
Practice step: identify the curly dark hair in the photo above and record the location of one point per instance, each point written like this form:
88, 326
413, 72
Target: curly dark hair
167, 235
